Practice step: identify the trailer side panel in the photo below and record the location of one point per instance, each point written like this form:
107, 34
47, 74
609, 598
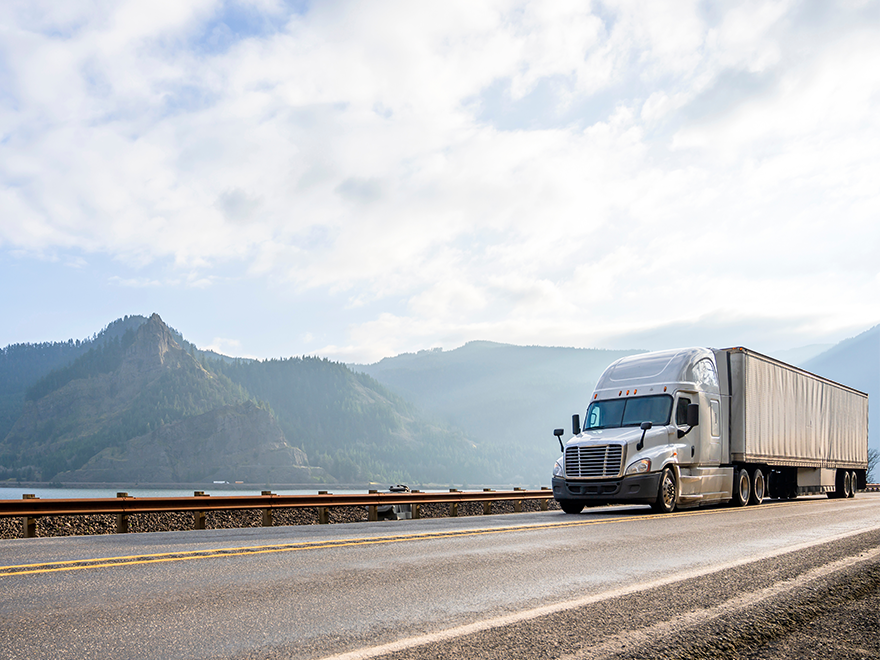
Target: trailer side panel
782, 415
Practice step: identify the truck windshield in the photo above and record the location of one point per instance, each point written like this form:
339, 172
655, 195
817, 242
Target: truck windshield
615, 413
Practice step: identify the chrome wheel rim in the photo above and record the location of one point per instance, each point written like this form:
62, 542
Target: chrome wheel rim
744, 486
668, 491
759, 486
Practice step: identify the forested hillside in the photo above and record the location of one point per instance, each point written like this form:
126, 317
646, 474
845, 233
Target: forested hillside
506, 397
357, 429
119, 389
137, 402
22, 365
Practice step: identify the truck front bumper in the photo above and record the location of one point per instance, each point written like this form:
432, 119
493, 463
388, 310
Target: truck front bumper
636, 489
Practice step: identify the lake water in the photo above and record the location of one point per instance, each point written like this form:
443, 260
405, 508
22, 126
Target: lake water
15, 493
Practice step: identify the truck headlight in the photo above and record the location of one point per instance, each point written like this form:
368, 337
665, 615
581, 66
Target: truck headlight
558, 470
639, 467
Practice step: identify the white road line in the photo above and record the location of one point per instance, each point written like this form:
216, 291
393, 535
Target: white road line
612, 645
527, 615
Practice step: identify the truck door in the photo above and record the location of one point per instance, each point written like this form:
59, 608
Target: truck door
710, 429
706, 438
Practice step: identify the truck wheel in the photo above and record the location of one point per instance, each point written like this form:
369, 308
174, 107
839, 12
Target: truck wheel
665, 502
840, 489
851, 480
742, 488
757, 494
571, 506
847, 485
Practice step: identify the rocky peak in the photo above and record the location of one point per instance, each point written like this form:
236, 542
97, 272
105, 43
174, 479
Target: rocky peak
153, 348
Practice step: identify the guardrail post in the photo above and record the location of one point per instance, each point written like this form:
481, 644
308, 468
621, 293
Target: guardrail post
517, 504
416, 509
372, 509
487, 506
453, 506
199, 516
267, 513
29, 523
323, 511
122, 518
546, 502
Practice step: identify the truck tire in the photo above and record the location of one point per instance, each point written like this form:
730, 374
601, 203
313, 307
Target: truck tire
571, 506
756, 496
666, 493
853, 484
847, 484
840, 486
742, 488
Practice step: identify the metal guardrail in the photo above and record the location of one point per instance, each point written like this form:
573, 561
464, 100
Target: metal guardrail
29, 508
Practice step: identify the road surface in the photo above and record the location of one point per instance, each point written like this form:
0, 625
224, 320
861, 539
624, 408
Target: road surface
605, 583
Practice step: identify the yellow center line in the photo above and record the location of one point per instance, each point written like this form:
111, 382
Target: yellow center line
215, 553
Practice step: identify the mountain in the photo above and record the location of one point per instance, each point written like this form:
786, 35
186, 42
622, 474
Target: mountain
356, 428
855, 362
146, 406
237, 442
118, 390
503, 396
22, 365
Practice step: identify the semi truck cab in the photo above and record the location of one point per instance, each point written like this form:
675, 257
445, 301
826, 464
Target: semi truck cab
641, 428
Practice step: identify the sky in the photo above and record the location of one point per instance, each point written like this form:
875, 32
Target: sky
357, 180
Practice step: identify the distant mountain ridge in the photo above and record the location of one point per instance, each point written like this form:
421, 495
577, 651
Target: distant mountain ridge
504, 396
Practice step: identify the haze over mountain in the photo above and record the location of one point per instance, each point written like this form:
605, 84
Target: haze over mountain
510, 397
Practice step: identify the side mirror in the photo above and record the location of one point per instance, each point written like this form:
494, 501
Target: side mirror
575, 424
558, 433
693, 414
645, 426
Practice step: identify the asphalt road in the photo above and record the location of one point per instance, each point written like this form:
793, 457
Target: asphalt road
604, 583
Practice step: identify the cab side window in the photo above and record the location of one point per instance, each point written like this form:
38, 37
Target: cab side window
681, 411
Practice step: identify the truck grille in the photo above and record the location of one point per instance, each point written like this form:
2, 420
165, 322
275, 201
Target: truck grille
593, 461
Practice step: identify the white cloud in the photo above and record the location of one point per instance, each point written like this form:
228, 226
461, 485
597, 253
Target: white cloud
529, 172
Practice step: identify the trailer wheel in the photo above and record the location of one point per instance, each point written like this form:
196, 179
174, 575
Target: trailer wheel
742, 488
847, 485
665, 502
851, 483
758, 483
840, 486
571, 506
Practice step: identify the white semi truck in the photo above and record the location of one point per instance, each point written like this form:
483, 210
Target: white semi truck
699, 426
